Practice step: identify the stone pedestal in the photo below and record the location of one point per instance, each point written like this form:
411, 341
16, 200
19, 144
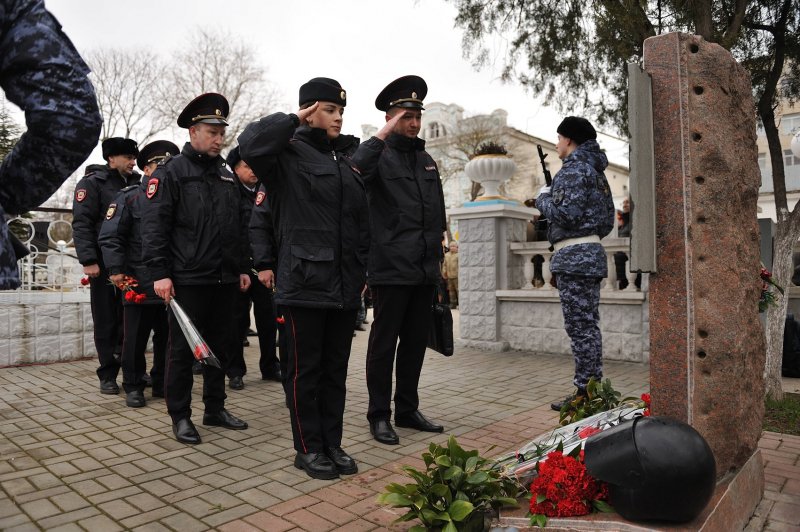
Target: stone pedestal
707, 344
486, 265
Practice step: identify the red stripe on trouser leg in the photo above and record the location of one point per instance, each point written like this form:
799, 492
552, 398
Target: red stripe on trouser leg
294, 386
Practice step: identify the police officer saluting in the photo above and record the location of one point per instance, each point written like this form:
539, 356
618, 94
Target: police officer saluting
192, 227
93, 195
121, 242
407, 217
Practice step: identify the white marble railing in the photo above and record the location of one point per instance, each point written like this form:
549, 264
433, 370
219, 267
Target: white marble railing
612, 245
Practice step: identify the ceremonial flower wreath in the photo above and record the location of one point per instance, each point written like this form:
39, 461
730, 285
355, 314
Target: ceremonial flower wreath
768, 297
563, 488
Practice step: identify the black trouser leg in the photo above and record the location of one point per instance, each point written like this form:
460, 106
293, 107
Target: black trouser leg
210, 307
399, 312
160, 328
138, 321
237, 366
317, 370
106, 306
264, 313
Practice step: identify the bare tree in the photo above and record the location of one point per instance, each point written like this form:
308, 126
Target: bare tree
216, 61
124, 82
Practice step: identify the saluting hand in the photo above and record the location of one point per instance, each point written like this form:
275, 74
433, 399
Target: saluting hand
388, 127
303, 114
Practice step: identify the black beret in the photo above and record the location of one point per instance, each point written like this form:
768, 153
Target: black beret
119, 146
408, 92
578, 129
323, 90
234, 156
208, 108
156, 151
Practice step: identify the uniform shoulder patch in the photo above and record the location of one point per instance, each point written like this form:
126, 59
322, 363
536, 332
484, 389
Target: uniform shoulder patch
80, 194
111, 210
227, 178
152, 187
260, 197
430, 168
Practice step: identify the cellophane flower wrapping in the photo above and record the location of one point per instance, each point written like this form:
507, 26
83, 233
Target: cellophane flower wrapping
202, 352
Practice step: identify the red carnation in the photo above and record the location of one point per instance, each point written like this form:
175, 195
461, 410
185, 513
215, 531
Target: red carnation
130, 296
139, 298
281, 320
85, 281
201, 351
646, 398
588, 431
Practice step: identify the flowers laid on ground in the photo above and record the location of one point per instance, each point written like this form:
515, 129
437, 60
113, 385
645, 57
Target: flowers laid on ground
563, 488
600, 397
646, 400
768, 297
128, 285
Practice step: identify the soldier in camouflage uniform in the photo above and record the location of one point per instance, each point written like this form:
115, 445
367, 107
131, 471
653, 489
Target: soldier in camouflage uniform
43, 74
580, 210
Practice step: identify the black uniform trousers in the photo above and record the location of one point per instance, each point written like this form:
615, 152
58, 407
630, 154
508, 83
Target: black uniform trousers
210, 307
106, 306
398, 312
264, 313
318, 345
139, 321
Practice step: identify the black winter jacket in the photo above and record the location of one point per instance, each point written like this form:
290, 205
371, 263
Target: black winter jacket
121, 241
93, 194
262, 233
319, 211
193, 221
406, 206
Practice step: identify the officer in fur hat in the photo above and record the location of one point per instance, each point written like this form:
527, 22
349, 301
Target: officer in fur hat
407, 203
93, 196
192, 246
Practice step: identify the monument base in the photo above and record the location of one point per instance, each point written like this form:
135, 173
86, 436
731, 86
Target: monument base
483, 345
733, 504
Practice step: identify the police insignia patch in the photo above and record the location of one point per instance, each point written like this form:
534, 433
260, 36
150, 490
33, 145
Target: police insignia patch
80, 194
152, 188
111, 210
260, 198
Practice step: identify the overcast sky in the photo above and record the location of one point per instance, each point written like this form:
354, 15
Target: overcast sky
364, 44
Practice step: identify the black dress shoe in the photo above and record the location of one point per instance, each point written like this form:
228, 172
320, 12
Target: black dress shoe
109, 387
316, 465
135, 399
223, 418
415, 420
147, 380
344, 463
236, 383
184, 431
383, 432
197, 367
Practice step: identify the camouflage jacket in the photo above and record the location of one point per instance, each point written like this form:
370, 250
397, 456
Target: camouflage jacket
579, 205
43, 74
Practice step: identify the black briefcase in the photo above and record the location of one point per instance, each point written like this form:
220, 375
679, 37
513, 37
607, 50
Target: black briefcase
440, 335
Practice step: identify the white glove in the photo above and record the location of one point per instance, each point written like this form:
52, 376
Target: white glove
544, 190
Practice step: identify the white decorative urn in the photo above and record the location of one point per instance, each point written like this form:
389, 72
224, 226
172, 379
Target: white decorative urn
490, 170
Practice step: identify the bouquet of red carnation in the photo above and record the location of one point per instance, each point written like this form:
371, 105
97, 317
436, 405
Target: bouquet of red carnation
202, 352
564, 488
646, 400
127, 285
768, 297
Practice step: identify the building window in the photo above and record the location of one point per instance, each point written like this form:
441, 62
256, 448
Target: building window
436, 130
789, 159
790, 123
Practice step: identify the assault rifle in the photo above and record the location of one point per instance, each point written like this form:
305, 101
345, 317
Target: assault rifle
542, 156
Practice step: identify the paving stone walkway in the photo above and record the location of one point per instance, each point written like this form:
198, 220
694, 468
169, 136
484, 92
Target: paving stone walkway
72, 459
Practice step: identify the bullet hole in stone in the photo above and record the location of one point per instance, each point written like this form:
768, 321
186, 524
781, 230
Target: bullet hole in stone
694, 48
698, 90
701, 258
699, 180
701, 355
696, 136
701, 219
703, 333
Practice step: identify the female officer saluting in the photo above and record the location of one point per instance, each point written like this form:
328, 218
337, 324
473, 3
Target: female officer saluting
319, 206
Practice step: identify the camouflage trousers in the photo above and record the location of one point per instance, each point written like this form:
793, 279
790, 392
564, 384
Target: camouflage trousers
580, 302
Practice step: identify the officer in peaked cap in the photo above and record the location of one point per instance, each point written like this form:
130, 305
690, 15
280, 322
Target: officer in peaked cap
404, 259
94, 198
194, 250
406, 92
208, 108
154, 153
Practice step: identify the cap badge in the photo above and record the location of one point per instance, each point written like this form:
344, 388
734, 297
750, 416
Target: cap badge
342, 95
218, 112
414, 95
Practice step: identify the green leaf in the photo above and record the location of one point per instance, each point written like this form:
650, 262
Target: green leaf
602, 506
452, 472
459, 510
478, 477
540, 498
429, 516
450, 527
394, 499
394, 487
408, 516
507, 501
576, 452
471, 464
417, 528
443, 461
440, 490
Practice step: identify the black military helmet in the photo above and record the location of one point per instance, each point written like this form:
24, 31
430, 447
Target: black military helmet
119, 146
233, 157
208, 108
156, 151
322, 90
408, 92
657, 468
